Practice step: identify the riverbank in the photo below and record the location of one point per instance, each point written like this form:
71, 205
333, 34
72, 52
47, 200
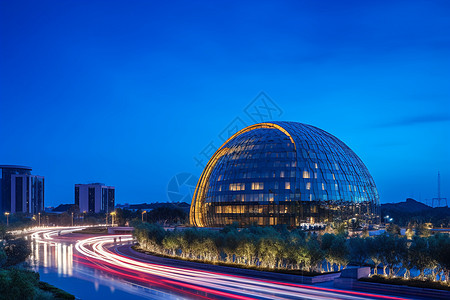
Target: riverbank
18, 283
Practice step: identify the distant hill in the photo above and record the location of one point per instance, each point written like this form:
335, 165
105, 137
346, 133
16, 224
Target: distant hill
416, 212
145, 206
63, 207
410, 205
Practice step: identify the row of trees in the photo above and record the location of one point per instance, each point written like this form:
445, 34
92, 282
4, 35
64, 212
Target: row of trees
279, 248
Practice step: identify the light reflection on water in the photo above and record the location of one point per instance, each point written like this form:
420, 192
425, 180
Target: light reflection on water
56, 265
53, 255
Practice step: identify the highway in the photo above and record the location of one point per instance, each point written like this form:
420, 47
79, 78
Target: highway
100, 253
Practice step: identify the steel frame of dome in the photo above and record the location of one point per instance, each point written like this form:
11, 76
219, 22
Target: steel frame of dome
284, 173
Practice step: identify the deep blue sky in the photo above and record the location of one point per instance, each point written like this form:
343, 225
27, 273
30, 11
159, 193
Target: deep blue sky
129, 92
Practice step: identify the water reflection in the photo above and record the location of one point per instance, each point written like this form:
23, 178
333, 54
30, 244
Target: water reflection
52, 255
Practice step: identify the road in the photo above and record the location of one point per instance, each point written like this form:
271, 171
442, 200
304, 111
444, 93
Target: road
164, 281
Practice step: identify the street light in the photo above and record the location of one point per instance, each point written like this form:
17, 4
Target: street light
7, 218
113, 214
72, 219
143, 215
39, 219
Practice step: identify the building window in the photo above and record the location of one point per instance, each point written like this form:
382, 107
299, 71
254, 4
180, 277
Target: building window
287, 185
77, 196
91, 199
306, 174
237, 186
257, 185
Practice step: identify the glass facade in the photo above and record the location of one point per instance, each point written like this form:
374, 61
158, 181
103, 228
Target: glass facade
284, 173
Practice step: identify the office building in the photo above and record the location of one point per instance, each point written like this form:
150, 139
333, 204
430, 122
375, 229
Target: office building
95, 197
21, 192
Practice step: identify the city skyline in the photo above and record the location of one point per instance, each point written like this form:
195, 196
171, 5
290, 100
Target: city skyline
132, 95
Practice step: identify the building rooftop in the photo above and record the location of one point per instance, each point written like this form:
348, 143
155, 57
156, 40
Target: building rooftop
14, 167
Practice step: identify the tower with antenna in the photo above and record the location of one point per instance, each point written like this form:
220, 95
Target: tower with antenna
439, 198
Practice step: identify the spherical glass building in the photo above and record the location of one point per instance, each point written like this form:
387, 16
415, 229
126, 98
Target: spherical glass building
284, 173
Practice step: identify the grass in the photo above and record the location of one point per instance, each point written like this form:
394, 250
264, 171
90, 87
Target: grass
234, 265
94, 230
57, 293
408, 282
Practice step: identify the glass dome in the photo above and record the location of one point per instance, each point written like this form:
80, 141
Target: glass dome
284, 173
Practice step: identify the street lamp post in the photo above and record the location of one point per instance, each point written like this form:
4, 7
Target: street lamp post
72, 219
143, 216
39, 219
7, 218
113, 215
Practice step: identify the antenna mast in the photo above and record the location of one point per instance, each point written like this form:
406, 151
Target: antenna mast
439, 198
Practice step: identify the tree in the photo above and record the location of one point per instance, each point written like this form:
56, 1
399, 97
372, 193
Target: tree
229, 243
326, 242
314, 255
18, 284
16, 250
269, 251
393, 229
171, 243
392, 250
359, 250
246, 250
423, 229
150, 236
440, 251
339, 252
374, 245
3, 256
409, 233
420, 256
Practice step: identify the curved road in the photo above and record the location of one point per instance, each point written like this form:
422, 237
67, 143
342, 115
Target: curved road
100, 253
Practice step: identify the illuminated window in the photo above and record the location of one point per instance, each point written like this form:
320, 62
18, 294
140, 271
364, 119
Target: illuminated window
282, 174
306, 174
323, 186
308, 185
287, 185
237, 186
257, 185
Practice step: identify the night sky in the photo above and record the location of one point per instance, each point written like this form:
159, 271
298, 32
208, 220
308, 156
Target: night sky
130, 93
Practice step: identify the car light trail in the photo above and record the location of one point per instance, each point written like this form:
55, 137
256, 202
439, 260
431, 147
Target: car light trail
100, 253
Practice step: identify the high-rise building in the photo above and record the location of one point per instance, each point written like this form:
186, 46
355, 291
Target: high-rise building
20, 192
95, 197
